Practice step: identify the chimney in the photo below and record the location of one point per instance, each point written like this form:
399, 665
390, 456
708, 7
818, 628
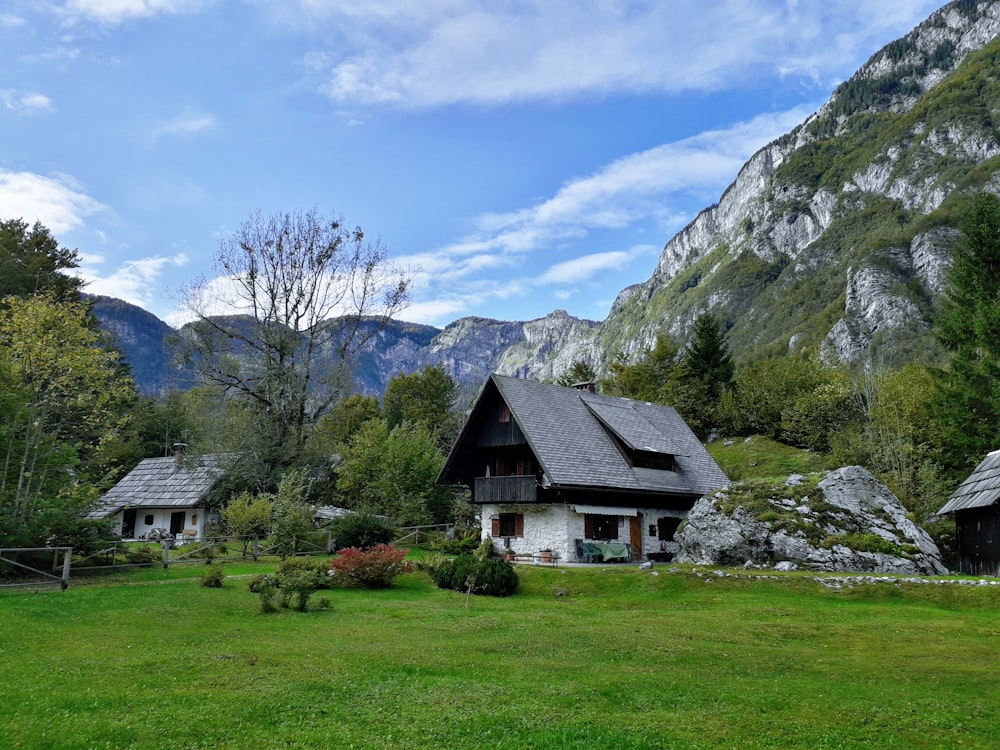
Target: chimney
179, 450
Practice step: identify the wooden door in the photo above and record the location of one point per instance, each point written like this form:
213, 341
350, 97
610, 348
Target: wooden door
177, 519
635, 535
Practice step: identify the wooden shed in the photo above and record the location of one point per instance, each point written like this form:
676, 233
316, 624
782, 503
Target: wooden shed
977, 518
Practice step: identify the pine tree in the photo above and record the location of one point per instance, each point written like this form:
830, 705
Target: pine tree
969, 330
706, 369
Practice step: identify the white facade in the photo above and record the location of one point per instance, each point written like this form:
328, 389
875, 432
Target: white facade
556, 527
146, 519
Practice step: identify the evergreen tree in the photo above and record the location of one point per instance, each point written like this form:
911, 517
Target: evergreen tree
32, 261
579, 372
706, 360
969, 330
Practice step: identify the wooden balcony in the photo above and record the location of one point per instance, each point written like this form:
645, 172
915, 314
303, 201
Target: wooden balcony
501, 490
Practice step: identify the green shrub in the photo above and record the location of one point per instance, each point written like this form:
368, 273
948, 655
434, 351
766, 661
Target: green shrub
490, 576
213, 577
266, 587
461, 546
318, 565
298, 584
295, 579
431, 563
485, 548
362, 530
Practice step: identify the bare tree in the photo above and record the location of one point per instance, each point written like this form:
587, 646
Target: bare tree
296, 297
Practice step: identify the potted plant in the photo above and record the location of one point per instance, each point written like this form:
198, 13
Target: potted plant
508, 554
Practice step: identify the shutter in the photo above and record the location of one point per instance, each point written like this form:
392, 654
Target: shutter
518, 524
588, 527
496, 526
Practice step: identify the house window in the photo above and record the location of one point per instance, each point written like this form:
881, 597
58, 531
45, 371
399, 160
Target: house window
148, 520
508, 525
504, 412
666, 527
597, 526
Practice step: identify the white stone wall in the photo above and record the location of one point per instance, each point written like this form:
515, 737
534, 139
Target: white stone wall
161, 520
555, 527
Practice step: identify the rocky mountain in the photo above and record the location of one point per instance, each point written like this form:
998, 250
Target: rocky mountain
834, 238
837, 236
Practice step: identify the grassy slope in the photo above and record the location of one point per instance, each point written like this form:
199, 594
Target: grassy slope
759, 457
619, 658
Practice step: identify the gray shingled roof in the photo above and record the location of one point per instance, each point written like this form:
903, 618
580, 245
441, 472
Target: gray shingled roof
982, 487
568, 431
162, 483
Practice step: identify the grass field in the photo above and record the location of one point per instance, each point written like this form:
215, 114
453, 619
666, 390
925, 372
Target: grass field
579, 658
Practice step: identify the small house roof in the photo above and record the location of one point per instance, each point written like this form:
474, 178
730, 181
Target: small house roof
163, 483
572, 434
980, 489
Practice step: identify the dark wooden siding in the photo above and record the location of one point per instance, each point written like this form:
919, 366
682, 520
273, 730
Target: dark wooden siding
505, 490
979, 541
496, 434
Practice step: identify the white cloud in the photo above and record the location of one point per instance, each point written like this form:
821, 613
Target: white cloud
24, 102
11, 21
58, 202
584, 267
135, 281
185, 125
432, 54
630, 189
112, 12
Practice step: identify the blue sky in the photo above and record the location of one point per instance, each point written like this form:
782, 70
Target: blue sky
520, 156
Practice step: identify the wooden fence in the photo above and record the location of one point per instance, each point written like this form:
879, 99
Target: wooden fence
147, 554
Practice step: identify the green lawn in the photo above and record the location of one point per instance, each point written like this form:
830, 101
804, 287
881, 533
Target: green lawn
579, 658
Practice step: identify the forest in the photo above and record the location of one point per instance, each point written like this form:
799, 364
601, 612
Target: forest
72, 421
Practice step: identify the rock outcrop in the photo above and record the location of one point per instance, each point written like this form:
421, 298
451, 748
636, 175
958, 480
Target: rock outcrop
847, 521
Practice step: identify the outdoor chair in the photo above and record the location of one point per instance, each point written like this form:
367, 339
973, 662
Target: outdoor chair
586, 552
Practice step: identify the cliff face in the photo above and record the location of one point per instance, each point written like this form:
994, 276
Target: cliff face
835, 238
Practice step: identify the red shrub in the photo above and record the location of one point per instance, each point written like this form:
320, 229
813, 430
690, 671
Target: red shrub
374, 568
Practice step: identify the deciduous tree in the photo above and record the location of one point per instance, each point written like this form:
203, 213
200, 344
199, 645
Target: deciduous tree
62, 401
311, 292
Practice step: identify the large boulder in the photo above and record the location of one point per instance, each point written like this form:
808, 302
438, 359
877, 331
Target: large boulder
845, 520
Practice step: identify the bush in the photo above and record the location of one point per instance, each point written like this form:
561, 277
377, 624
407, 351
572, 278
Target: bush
374, 568
266, 587
431, 563
318, 565
362, 530
300, 584
462, 546
489, 576
213, 577
294, 579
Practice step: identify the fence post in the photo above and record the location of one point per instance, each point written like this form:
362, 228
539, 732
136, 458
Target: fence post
166, 553
67, 562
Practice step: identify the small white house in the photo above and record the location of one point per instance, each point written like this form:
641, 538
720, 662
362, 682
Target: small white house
578, 473
165, 495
